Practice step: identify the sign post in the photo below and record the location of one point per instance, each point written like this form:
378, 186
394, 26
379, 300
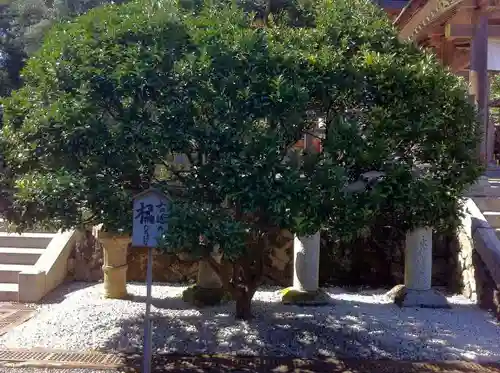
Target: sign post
151, 209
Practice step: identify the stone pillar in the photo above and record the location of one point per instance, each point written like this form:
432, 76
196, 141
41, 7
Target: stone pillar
418, 259
417, 291
306, 249
115, 264
306, 262
208, 290
305, 290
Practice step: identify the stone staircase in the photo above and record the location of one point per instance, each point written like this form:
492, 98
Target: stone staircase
19, 253
479, 242
490, 208
486, 196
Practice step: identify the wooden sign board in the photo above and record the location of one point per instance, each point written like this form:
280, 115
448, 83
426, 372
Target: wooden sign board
151, 210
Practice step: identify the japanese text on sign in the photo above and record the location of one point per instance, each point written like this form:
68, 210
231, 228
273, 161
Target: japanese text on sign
150, 218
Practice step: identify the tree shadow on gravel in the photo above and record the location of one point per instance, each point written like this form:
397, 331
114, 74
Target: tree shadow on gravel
162, 363
60, 293
343, 330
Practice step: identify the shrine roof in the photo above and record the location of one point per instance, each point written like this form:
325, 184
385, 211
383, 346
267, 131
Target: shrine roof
421, 17
412, 7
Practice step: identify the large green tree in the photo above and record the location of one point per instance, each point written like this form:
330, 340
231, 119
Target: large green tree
112, 97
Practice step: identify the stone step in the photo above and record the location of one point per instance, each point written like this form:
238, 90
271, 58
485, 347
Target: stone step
19, 255
26, 240
487, 203
9, 273
493, 217
9, 292
484, 191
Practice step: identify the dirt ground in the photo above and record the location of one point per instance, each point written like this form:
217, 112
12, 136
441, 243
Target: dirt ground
223, 364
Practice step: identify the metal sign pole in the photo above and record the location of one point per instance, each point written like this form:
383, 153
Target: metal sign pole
147, 319
150, 221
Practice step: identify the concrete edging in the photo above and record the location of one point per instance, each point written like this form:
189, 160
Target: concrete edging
484, 239
49, 271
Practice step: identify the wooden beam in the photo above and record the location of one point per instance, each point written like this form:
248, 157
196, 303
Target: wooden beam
415, 19
495, 14
454, 31
426, 9
483, 4
460, 60
412, 7
463, 73
448, 50
426, 17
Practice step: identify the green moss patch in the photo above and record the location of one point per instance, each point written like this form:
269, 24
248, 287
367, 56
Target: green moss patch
304, 298
205, 297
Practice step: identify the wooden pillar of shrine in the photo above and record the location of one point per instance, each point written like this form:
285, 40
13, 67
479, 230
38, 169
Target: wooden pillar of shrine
478, 79
490, 142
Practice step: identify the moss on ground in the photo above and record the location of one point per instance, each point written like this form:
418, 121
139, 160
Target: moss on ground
304, 298
205, 297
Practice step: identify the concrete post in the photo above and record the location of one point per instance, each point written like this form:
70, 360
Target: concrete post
417, 291
306, 262
115, 249
418, 259
306, 250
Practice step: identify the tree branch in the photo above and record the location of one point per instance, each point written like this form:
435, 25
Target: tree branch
190, 158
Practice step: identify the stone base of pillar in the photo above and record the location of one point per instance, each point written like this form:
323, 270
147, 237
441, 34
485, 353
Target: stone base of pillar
405, 297
205, 297
115, 282
299, 297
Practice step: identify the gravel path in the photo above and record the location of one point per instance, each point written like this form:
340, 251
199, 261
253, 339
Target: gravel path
359, 325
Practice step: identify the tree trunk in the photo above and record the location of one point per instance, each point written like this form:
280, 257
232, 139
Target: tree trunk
243, 280
244, 305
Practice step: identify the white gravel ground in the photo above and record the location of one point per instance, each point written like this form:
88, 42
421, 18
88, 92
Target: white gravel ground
364, 325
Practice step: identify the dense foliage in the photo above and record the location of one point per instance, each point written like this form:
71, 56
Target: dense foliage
114, 95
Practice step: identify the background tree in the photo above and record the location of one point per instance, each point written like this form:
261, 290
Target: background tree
11, 53
24, 24
118, 92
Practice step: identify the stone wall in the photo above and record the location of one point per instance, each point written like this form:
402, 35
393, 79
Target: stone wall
465, 275
378, 261
166, 267
473, 278
175, 269
86, 259
474, 240
367, 262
